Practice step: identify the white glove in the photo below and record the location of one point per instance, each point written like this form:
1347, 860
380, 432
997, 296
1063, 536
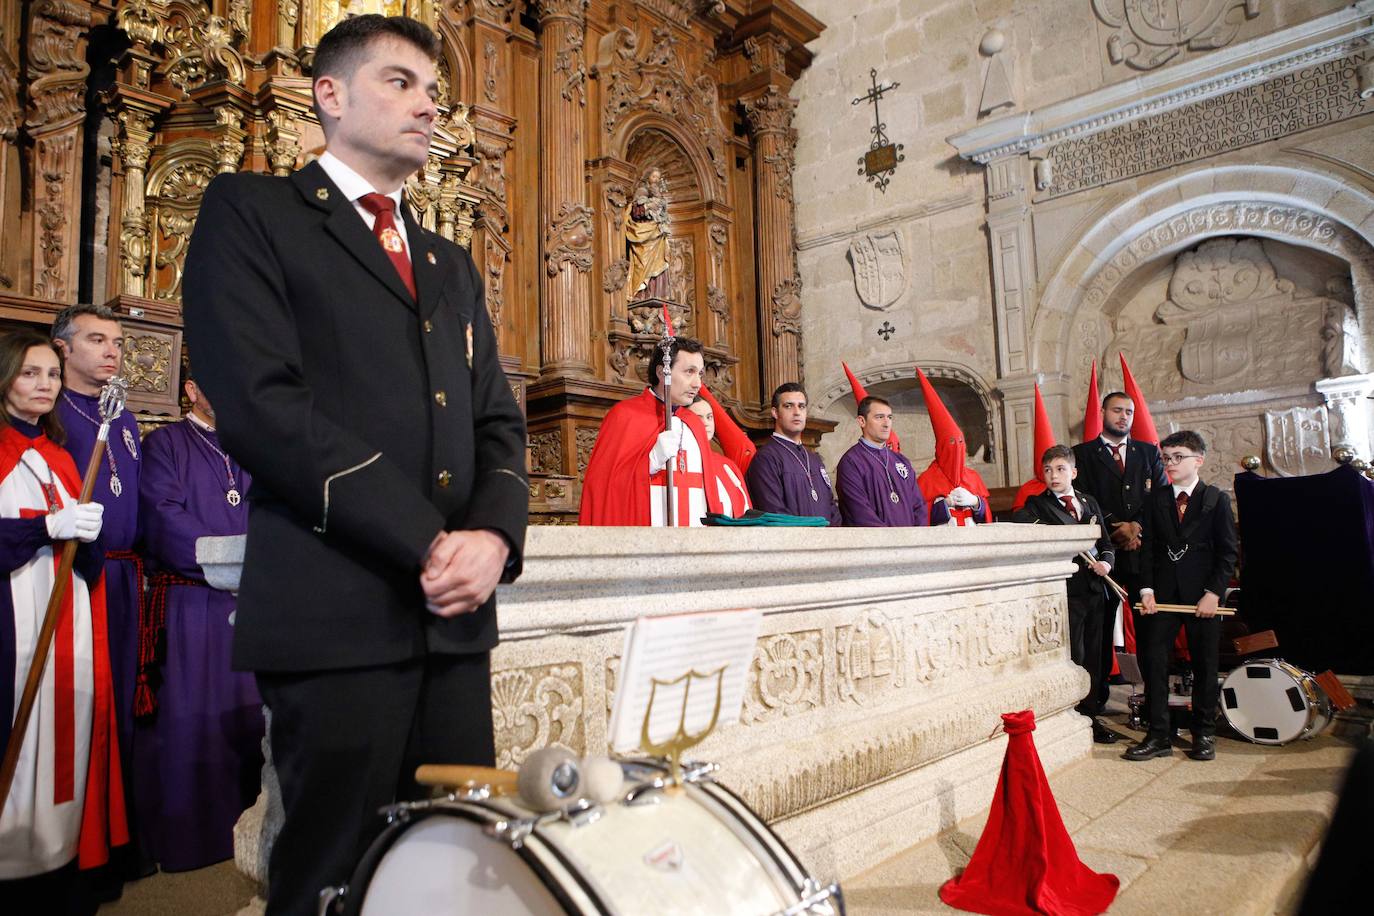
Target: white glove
665, 449
961, 498
81, 521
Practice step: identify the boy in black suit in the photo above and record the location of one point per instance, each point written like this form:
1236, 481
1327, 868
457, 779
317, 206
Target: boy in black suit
1063, 505
1190, 545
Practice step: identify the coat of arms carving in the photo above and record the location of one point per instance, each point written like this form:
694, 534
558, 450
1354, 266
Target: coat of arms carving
879, 269
1150, 34
1297, 441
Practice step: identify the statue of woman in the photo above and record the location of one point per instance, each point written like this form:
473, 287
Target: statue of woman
646, 239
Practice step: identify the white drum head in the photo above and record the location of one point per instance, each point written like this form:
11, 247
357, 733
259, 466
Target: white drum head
1266, 702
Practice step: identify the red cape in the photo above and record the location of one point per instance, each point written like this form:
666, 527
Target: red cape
734, 442
933, 483
103, 819
615, 489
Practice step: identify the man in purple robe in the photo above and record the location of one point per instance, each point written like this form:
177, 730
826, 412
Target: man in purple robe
91, 340
200, 748
876, 483
785, 476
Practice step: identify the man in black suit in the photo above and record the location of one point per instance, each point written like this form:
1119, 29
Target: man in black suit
1061, 504
1190, 546
1120, 473
354, 370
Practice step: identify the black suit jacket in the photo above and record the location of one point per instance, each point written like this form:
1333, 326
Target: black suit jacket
1046, 509
1122, 497
369, 421
1204, 545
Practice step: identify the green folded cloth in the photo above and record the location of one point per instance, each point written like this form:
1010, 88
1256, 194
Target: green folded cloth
753, 518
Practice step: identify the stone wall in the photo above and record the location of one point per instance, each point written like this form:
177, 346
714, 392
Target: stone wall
923, 244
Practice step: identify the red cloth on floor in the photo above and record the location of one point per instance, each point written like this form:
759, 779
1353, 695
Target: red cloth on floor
1025, 861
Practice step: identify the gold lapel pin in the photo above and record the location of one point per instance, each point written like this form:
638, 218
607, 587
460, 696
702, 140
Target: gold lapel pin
322, 193
429, 256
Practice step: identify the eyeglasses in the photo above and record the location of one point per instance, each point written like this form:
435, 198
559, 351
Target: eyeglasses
1178, 459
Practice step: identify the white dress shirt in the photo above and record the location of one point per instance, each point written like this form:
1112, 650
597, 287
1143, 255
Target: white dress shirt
354, 186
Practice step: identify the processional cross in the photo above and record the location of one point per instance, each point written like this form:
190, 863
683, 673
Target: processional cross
883, 155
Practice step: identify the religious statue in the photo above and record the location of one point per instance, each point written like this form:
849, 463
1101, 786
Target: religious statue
646, 239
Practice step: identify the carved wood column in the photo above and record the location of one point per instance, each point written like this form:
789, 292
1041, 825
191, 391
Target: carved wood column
565, 322
57, 72
770, 116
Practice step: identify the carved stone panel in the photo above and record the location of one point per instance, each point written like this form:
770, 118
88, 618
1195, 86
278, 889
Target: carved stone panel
869, 657
879, 268
940, 651
1149, 34
785, 678
1296, 441
536, 707
1046, 631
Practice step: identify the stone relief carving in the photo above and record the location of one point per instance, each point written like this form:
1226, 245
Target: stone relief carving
879, 267
869, 657
940, 648
546, 452
1046, 630
661, 83
537, 707
785, 678
1149, 34
569, 239
1218, 273
1297, 441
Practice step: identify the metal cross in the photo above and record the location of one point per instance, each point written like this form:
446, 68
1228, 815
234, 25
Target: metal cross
886, 331
882, 157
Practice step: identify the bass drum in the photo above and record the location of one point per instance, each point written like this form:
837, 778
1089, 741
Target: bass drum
1269, 701
700, 851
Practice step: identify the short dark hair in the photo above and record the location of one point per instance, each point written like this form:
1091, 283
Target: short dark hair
1113, 395
679, 345
1058, 451
1186, 438
867, 404
786, 388
343, 47
14, 346
64, 325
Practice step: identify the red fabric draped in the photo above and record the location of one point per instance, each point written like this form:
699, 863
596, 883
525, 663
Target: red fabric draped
1092, 414
1044, 439
1025, 862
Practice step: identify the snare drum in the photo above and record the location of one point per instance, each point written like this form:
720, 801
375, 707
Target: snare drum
699, 851
1270, 701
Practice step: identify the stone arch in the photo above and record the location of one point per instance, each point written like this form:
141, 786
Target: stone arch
1303, 207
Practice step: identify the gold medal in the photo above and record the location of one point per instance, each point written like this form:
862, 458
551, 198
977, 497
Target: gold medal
391, 241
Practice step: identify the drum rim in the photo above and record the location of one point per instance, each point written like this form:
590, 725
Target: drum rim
362, 875
1319, 714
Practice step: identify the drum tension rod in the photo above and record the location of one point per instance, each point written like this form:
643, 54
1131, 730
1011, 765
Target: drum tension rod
814, 903
515, 832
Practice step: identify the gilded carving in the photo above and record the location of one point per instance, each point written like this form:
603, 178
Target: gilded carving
131, 144
537, 707
546, 452
869, 657
231, 140
147, 362
786, 313
785, 678
1149, 35
568, 238
283, 141
175, 185
140, 21
200, 46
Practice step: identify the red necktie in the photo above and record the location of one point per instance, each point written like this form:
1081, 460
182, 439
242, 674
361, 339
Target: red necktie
1119, 453
1068, 506
1182, 501
384, 227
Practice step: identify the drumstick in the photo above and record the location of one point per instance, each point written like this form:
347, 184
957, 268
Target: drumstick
1120, 592
1188, 609
449, 776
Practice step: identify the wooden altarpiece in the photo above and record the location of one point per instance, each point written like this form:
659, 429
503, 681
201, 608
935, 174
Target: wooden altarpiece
115, 115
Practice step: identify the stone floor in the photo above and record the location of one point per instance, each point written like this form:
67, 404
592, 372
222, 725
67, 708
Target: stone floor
1235, 836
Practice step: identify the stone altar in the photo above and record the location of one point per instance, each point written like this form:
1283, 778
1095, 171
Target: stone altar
885, 659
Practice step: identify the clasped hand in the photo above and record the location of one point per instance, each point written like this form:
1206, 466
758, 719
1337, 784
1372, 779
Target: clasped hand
961, 498
79, 521
1126, 535
462, 570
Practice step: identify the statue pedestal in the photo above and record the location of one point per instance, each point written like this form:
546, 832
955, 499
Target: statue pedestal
885, 660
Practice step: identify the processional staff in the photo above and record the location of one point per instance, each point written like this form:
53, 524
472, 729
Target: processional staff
112, 398
667, 344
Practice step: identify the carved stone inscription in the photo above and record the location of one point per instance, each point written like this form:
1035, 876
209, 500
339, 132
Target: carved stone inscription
1310, 97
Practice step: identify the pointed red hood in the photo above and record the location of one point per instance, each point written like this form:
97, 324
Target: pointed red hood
1044, 438
860, 393
950, 449
1143, 426
1092, 414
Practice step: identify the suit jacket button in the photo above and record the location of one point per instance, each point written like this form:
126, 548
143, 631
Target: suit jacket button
441, 399
445, 478
429, 326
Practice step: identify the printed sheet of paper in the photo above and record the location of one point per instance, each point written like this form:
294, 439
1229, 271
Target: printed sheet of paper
667, 647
